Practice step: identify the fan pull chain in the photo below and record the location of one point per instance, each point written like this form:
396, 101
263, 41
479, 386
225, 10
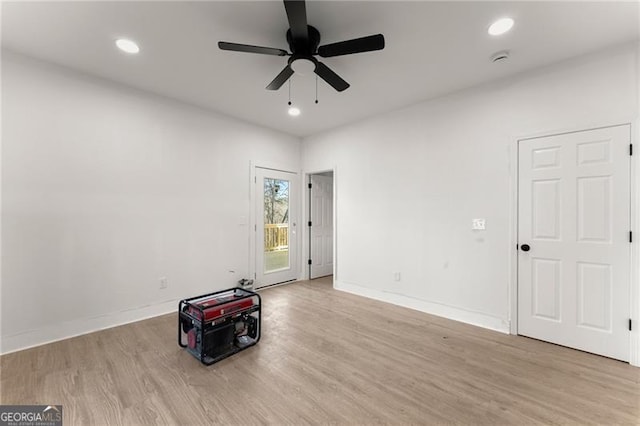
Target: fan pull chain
289, 92
316, 89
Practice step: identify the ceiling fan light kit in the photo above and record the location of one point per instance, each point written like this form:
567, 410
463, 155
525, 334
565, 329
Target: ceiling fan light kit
293, 111
303, 66
304, 41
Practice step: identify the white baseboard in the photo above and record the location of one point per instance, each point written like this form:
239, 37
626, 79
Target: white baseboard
453, 313
634, 358
55, 332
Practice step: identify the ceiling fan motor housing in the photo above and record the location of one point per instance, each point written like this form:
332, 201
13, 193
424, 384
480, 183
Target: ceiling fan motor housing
302, 47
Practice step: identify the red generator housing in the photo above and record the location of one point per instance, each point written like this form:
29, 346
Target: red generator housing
220, 324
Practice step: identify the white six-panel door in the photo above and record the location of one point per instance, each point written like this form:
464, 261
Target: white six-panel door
574, 217
321, 218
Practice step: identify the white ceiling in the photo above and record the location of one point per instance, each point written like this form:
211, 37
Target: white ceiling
432, 48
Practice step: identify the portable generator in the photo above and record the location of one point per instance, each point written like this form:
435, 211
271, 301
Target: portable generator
220, 324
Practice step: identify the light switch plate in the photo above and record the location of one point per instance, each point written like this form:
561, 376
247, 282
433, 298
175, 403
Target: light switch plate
478, 224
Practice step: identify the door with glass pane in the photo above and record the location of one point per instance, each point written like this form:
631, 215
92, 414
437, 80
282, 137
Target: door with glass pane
276, 222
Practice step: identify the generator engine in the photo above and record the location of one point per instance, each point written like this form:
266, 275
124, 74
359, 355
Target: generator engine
219, 324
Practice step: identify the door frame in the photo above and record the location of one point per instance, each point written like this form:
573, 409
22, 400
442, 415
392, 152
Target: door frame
306, 240
253, 220
634, 297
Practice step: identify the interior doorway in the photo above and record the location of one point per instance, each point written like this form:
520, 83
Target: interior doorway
321, 224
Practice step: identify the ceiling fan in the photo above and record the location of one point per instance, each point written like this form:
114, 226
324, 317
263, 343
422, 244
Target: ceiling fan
303, 40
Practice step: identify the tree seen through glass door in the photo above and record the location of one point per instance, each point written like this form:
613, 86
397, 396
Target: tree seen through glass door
276, 224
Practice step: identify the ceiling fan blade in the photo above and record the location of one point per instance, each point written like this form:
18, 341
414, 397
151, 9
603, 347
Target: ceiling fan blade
297, 15
280, 78
357, 45
235, 47
334, 80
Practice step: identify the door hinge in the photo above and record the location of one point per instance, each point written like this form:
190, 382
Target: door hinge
517, 246
309, 223
255, 179
629, 324
630, 236
630, 149
255, 275
255, 228
309, 262
310, 186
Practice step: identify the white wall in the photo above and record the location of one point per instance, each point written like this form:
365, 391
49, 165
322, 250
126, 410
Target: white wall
105, 189
409, 182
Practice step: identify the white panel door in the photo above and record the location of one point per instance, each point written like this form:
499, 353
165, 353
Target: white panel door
276, 227
321, 218
573, 232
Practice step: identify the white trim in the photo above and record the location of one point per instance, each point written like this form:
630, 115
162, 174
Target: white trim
634, 356
558, 131
335, 223
634, 335
513, 238
306, 251
50, 333
274, 166
455, 313
252, 222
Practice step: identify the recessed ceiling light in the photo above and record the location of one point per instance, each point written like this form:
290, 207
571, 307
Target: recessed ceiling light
294, 112
501, 26
128, 46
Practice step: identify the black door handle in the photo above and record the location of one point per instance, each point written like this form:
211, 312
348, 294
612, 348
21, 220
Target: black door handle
525, 247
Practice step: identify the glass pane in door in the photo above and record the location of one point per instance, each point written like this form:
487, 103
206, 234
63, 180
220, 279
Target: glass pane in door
276, 224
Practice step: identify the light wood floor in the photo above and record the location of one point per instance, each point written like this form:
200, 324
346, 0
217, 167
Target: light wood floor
325, 357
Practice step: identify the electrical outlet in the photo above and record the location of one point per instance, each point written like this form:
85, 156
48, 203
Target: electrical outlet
396, 276
163, 283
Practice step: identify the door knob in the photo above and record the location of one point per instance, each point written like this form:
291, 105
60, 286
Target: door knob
525, 247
